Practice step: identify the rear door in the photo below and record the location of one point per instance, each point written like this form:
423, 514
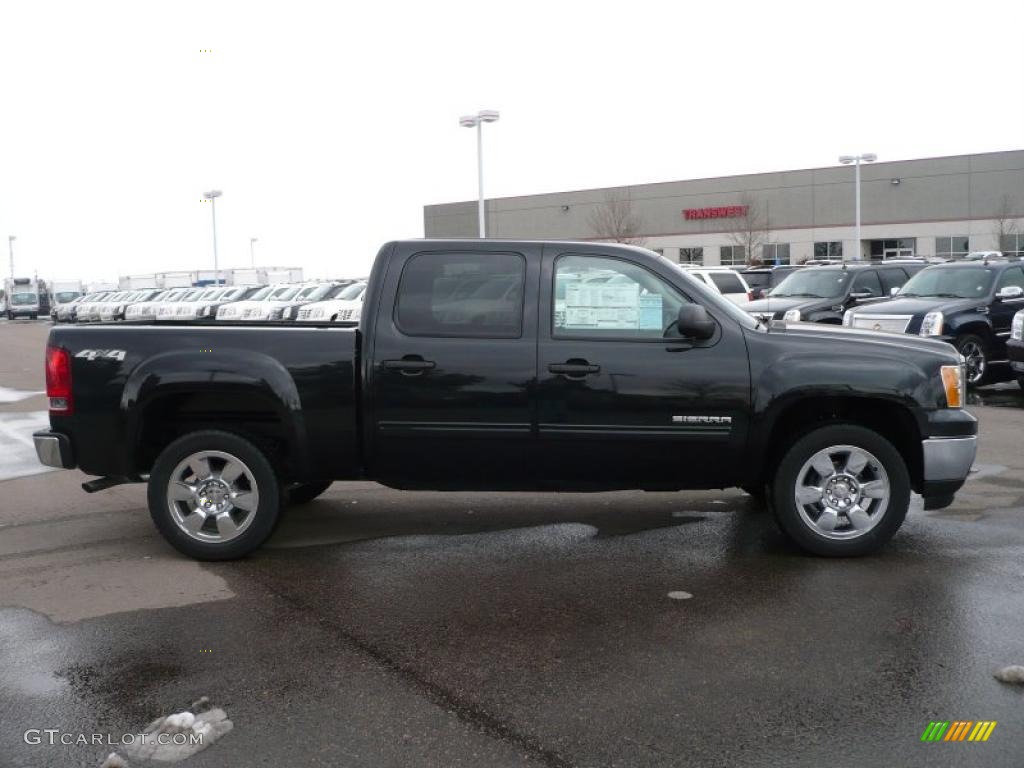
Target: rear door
453, 365
622, 401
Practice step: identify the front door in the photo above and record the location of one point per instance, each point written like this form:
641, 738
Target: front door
623, 402
453, 366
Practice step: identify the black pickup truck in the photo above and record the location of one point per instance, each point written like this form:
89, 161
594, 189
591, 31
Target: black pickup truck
500, 365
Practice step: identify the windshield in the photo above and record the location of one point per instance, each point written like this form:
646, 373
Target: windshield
313, 292
353, 291
950, 282
261, 294
24, 298
66, 296
284, 293
813, 284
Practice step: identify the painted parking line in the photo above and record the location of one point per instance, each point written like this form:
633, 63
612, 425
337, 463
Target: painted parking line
17, 451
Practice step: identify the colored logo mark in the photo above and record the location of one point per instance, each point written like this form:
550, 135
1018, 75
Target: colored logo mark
959, 730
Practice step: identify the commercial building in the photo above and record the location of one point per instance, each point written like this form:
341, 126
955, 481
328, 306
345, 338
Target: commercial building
941, 206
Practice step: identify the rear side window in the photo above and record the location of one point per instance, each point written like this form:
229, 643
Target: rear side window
462, 294
726, 282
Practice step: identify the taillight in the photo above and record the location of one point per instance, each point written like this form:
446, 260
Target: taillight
58, 379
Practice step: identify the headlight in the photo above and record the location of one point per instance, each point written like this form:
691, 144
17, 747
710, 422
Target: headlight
1017, 330
932, 324
953, 383
848, 320
792, 316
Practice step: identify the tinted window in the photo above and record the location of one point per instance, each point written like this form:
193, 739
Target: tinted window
867, 282
892, 278
727, 282
951, 282
758, 279
602, 297
1012, 276
462, 294
813, 284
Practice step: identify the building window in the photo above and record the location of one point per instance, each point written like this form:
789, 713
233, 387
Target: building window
833, 249
775, 253
733, 254
691, 255
955, 247
896, 248
1012, 245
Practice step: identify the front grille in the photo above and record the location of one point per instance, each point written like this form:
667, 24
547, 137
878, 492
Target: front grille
304, 314
884, 323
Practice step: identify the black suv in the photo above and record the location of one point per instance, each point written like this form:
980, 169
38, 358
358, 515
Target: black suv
763, 279
970, 304
823, 294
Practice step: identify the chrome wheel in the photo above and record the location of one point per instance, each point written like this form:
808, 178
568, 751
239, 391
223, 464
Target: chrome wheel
212, 496
975, 363
842, 492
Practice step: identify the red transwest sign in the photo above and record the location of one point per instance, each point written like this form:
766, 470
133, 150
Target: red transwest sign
717, 212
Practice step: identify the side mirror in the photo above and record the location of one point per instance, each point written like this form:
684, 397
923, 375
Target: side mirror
694, 323
893, 291
1010, 292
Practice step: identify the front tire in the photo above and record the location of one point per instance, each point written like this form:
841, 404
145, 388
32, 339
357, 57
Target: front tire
214, 495
975, 353
841, 491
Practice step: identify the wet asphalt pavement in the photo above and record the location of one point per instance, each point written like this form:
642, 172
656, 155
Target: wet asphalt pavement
381, 628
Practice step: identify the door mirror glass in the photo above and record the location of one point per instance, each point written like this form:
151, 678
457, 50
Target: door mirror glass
1010, 292
694, 322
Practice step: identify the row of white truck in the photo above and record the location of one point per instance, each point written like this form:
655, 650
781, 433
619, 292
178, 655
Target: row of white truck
326, 301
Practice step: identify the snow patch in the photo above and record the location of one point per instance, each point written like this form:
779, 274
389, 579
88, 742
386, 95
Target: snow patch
179, 735
1012, 674
679, 595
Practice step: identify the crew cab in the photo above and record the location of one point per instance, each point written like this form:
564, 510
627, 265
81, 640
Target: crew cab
553, 380
969, 304
822, 294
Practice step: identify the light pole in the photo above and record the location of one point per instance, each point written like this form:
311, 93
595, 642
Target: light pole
212, 196
10, 248
477, 121
867, 157
252, 251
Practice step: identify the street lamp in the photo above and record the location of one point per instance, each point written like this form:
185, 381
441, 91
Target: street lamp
212, 196
10, 247
252, 251
867, 157
477, 121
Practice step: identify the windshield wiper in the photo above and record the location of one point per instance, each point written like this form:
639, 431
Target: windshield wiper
802, 295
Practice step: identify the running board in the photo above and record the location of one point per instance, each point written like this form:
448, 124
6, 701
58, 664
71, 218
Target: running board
103, 483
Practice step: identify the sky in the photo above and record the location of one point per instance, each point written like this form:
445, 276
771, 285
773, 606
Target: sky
328, 126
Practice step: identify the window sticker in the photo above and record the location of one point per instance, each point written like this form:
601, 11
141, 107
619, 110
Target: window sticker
607, 306
650, 311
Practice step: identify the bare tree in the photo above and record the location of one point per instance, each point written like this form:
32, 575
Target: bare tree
752, 230
615, 221
1004, 223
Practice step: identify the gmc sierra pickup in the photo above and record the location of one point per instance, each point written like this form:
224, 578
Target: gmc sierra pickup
501, 365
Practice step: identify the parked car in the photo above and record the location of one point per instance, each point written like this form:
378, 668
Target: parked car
210, 301
762, 279
727, 282
821, 294
969, 304
1015, 347
89, 312
69, 314
62, 312
344, 307
248, 308
110, 311
168, 310
680, 390
146, 310
287, 308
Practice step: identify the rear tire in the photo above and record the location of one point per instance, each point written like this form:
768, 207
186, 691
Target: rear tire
214, 495
841, 491
975, 352
303, 493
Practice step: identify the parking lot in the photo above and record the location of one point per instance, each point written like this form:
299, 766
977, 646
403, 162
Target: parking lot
397, 628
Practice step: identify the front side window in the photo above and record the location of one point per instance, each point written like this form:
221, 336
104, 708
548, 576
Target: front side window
832, 249
1014, 276
462, 294
601, 297
867, 282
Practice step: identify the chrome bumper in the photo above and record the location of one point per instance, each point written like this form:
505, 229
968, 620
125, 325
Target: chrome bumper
948, 458
53, 450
